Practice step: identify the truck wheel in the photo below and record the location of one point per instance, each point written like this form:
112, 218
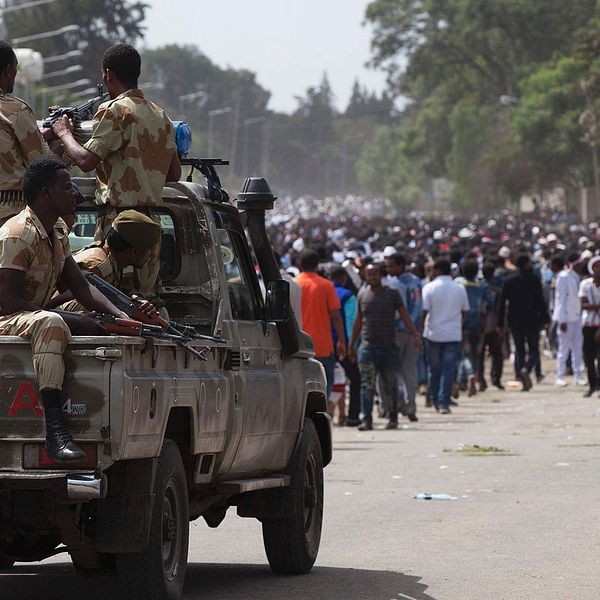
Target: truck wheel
292, 543
158, 573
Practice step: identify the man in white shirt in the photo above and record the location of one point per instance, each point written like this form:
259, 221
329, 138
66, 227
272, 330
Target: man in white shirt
445, 303
567, 315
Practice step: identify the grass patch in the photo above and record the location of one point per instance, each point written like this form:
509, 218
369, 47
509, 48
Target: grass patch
476, 450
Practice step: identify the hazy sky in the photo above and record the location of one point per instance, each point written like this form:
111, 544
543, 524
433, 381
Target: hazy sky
287, 43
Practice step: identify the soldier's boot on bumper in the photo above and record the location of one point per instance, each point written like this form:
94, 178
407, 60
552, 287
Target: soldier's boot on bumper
59, 443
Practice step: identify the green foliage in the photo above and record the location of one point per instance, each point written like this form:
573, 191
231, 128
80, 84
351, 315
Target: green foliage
189, 84
453, 59
547, 121
385, 170
100, 24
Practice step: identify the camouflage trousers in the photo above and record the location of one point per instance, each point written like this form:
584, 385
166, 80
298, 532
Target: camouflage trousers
49, 336
144, 281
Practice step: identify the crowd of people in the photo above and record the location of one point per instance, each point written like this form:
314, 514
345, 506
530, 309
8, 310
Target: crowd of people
401, 303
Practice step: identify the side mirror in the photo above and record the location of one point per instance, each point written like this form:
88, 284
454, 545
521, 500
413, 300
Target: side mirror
277, 305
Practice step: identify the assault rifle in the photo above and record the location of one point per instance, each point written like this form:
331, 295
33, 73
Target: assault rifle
118, 326
83, 112
151, 326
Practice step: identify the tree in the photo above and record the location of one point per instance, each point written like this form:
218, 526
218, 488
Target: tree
452, 59
386, 169
174, 72
547, 122
100, 24
363, 103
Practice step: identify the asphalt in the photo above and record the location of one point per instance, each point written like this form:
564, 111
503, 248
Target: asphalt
523, 468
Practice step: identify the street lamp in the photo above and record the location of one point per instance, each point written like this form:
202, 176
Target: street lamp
45, 34
247, 123
16, 7
68, 86
65, 56
67, 71
189, 98
345, 140
152, 85
211, 115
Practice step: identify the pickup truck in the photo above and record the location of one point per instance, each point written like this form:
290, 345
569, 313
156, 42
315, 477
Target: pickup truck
171, 436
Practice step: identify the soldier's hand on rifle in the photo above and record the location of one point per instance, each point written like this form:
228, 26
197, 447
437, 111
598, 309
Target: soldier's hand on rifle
63, 126
146, 307
48, 134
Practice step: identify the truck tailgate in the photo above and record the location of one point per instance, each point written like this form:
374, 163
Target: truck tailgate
88, 363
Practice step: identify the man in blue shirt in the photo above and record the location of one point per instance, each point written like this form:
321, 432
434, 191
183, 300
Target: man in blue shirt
409, 355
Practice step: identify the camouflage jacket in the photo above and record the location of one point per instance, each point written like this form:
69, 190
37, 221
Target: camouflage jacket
20, 144
25, 246
135, 141
100, 261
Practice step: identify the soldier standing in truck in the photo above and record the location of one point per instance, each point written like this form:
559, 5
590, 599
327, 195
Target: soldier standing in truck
133, 150
34, 257
20, 139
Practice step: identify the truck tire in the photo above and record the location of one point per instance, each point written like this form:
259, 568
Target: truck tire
158, 573
292, 543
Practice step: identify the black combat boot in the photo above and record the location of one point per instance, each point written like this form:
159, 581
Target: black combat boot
59, 443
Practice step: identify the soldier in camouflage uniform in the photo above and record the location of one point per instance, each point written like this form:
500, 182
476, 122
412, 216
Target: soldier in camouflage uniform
129, 242
20, 139
34, 257
133, 151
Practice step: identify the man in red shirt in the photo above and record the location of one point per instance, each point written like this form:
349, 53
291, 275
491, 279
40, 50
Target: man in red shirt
321, 308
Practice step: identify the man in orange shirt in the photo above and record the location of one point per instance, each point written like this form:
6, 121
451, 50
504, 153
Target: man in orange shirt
321, 308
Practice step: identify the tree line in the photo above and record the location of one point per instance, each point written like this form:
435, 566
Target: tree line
500, 97
313, 150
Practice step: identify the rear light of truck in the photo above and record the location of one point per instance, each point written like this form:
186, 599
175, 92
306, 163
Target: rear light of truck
36, 457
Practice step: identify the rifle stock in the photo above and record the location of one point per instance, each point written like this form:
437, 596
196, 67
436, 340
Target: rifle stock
118, 326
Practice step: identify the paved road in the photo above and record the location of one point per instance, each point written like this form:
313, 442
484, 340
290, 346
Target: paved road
524, 525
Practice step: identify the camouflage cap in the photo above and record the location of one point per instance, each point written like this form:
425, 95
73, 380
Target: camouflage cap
137, 229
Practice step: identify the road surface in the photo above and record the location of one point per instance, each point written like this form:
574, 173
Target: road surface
523, 467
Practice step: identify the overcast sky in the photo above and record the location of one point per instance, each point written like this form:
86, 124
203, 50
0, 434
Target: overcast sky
287, 43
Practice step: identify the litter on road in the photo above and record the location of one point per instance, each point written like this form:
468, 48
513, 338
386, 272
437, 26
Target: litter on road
427, 496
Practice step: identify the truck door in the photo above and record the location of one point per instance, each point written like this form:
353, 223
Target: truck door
259, 383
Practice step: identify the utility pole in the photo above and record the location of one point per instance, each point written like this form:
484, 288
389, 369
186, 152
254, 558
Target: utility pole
247, 123
234, 132
209, 136
266, 148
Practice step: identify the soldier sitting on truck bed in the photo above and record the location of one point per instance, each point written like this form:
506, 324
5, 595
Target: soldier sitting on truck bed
133, 151
20, 139
34, 256
128, 242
